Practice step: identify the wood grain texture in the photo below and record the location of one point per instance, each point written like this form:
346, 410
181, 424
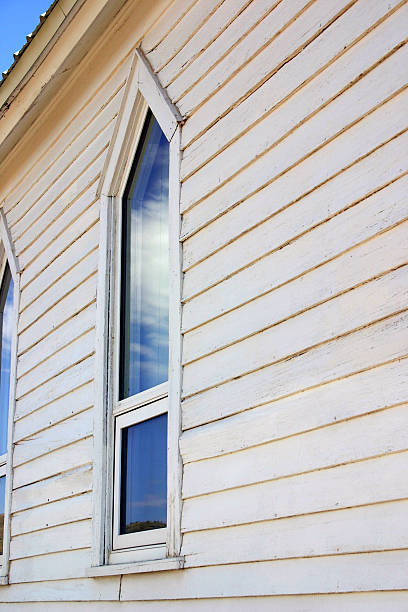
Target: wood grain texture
355, 602
68, 484
366, 261
376, 344
342, 573
302, 453
353, 530
292, 354
295, 258
339, 54
220, 48
306, 173
279, 36
359, 394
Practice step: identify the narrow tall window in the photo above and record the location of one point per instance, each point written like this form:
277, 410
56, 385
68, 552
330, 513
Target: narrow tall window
6, 311
140, 506
144, 346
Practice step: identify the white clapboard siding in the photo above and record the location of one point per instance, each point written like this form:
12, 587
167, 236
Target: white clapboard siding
388, 250
341, 573
62, 165
68, 484
68, 431
77, 191
51, 344
343, 531
352, 602
277, 38
355, 182
181, 33
56, 231
63, 537
209, 31
72, 590
85, 242
170, 17
54, 294
356, 395
222, 45
295, 361
81, 267
276, 232
55, 513
63, 191
294, 221
78, 400
67, 332
61, 460
276, 132
64, 131
354, 352
274, 137
74, 352
102, 594
306, 174
67, 381
66, 308
357, 484
326, 241
62, 565
352, 310
346, 41
352, 440
254, 37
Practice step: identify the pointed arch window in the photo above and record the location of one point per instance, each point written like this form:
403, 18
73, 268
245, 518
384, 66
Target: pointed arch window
140, 501
6, 331
9, 298
137, 486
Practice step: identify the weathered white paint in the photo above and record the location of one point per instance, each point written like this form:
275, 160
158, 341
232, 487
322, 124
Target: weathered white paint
290, 138
142, 90
10, 255
307, 172
339, 400
332, 59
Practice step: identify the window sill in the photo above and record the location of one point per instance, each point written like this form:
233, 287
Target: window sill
142, 567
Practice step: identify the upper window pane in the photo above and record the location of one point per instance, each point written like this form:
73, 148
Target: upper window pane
144, 344
6, 311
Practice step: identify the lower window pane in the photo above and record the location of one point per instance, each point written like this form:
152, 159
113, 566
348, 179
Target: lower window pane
2, 497
144, 476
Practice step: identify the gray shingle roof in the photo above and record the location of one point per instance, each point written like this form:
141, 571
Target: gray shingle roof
17, 55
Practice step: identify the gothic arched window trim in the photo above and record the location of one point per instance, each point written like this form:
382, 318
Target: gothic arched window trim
142, 93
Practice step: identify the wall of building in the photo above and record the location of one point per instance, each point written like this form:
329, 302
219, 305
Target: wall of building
295, 255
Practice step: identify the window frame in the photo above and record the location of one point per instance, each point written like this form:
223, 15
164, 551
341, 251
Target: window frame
142, 92
142, 413
9, 257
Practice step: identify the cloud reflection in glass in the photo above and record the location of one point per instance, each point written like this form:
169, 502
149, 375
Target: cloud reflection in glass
145, 297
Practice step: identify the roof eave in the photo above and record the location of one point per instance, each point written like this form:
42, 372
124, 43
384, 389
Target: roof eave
30, 56
40, 73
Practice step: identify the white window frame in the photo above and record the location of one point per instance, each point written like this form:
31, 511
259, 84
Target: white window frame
6, 470
132, 417
110, 549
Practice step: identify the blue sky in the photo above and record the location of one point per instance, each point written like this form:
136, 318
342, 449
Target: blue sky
17, 19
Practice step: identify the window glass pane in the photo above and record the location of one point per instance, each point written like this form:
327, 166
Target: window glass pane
144, 476
2, 497
6, 312
145, 300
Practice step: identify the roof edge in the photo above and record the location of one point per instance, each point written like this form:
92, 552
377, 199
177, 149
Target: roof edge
42, 39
